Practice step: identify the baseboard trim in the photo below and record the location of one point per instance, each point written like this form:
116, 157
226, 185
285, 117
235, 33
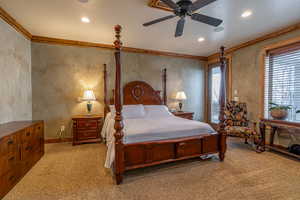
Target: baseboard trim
58, 140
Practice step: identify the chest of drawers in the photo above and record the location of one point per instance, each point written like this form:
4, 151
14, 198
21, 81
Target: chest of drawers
87, 128
21, 146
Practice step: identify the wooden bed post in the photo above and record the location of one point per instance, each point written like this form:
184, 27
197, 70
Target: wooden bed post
106, 101
164, 83
222, 102
119, 146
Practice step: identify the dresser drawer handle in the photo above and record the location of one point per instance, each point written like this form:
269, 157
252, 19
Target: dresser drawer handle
11, 159
10, 142
11, 178
181, 144
28, 148
28, 134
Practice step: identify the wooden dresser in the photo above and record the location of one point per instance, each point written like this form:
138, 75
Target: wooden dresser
21, 146
87, 128
183, 114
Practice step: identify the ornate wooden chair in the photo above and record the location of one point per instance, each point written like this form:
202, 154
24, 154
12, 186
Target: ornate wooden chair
237, 124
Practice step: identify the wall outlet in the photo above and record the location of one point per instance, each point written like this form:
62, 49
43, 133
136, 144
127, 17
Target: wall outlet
62, 128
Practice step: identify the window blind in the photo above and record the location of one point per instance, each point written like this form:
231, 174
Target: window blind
282, 80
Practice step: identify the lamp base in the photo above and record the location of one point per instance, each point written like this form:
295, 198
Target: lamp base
89, 106
180, 107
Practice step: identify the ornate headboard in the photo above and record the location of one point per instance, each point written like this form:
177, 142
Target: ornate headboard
137, 92
140, 92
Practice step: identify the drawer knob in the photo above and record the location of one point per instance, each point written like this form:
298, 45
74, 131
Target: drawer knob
10, 142
11, 178
28, 148
181, 144
11, 159
28, 134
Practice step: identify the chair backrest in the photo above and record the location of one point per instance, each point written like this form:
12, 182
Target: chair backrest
236, 114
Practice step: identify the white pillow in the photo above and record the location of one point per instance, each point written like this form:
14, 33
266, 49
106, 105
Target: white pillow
130, 111
154, 111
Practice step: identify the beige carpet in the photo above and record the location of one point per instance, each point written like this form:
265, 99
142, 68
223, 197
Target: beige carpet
77, 173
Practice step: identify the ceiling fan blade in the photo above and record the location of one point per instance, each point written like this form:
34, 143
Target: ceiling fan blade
206, 19
200, 3
159, 20
171, 4
180, 27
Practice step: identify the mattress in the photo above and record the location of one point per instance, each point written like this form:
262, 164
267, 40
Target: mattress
151, 129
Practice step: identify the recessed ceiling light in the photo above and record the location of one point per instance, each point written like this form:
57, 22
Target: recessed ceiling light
85, 20
201, 39
246, 14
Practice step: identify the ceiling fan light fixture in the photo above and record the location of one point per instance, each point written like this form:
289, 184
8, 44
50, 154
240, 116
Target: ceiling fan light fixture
187, 8
246, 14
85, 20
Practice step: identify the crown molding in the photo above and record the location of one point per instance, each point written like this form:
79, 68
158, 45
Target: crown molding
259, 39
49, 40
18, 27
12, 22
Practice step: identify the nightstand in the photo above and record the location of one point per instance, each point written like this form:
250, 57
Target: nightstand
183, 114
87, 128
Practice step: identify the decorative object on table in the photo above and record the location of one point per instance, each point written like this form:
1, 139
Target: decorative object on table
185, 115
237, 124
279, 111
180, 96
87, 128
89, 96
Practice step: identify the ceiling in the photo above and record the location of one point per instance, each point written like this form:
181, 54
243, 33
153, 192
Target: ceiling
61, 19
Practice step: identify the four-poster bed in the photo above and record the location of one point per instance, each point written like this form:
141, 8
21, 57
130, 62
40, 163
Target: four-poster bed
128, 156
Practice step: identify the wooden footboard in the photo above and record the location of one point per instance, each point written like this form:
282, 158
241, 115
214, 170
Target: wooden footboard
146, 154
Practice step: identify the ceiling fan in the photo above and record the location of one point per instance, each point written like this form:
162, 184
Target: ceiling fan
185, 8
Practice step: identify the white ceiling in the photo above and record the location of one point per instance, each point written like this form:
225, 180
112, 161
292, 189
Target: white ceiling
61, 19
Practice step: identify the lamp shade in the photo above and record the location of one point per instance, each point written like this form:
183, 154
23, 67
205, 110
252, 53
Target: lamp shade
88, 95
180, 96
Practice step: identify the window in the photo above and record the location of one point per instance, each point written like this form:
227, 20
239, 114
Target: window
214, 93
282, 80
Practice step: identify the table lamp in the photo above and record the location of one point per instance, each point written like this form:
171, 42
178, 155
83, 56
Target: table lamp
180, 96
89, 96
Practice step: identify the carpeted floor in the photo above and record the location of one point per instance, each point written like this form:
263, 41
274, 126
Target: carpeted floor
77, 173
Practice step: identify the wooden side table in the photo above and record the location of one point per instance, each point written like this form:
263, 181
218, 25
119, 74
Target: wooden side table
274, 126
183, 114
87, 128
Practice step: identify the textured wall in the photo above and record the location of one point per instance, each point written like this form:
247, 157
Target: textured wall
245, 73
61, 73
15, 75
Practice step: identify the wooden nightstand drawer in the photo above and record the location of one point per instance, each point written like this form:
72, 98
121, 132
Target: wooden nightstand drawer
87, 124
83, 135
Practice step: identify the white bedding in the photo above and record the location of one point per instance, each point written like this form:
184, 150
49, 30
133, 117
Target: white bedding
151, 128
